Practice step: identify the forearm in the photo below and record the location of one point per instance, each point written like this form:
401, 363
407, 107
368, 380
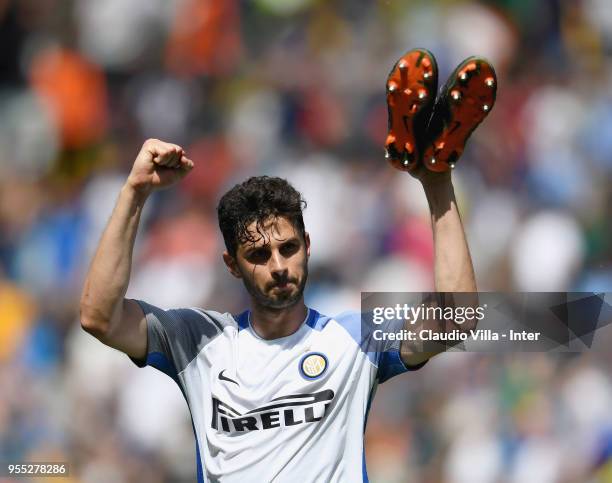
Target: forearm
453, 269
109, 273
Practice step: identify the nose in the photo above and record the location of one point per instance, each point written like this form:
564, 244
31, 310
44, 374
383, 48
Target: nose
278, 268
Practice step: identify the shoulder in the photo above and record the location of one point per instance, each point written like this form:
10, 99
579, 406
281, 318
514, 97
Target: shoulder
191, 318
219, 319
320, 321
349, 320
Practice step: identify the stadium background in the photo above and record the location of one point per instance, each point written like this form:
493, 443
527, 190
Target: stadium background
295, 88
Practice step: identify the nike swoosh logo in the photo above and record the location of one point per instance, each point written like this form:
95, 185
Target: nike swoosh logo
225, 378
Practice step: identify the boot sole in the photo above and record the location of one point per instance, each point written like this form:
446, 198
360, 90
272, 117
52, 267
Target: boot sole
469, 98
411, 88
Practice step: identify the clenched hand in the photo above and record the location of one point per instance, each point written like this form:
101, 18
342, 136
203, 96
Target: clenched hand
158, 165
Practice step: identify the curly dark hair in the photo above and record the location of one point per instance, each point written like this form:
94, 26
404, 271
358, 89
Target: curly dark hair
257, 199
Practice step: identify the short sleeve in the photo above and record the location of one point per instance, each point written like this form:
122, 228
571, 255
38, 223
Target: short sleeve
389, 359
175, 337
390, 364
384, 353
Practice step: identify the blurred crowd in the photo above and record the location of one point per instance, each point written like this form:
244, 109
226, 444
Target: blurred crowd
295, 88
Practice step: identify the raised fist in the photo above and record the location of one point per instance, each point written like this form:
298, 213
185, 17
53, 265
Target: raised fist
158, 165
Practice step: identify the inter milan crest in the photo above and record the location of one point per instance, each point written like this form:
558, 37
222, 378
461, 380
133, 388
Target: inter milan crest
313, 365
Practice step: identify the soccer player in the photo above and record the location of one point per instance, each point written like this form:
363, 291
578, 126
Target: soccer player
281, 392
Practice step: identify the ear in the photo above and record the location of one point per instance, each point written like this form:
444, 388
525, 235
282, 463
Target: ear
230, 263
307, 240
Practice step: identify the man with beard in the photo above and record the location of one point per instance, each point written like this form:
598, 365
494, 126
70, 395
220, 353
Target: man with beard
281, 392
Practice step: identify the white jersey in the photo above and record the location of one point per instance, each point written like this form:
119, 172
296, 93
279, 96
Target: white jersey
289, 409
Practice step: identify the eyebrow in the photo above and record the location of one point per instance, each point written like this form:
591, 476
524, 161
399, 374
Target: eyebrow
252, 249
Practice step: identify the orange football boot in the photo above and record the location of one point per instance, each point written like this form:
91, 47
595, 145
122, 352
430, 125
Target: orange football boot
465, 100
411, 92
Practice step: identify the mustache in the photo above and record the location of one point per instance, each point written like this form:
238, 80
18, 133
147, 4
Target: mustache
282, 281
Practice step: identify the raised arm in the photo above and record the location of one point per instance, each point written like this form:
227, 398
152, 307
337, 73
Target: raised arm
428, 131
453, 269
105, 313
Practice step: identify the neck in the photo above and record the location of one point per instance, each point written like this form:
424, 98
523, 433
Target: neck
276, 323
